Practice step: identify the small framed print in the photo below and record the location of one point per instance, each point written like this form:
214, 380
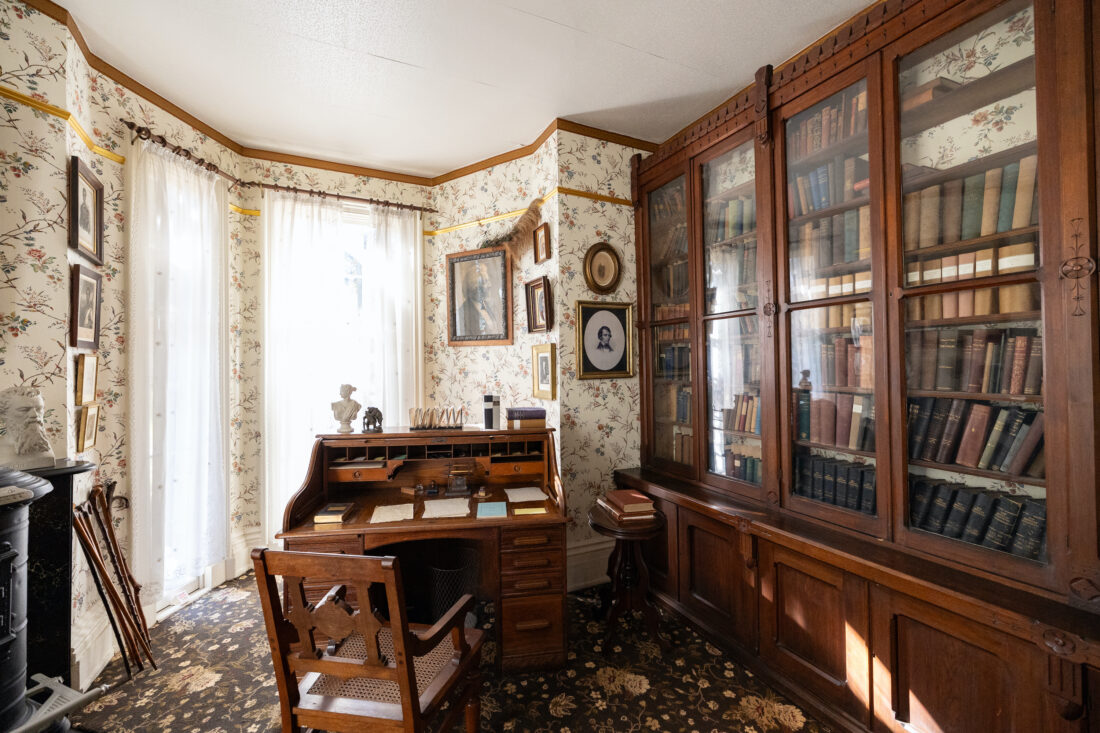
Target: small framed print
542, 242
89, 427
539, 306
84, 311
87, 366
479, 297
85, 211
605, 340
544, 382
602, 268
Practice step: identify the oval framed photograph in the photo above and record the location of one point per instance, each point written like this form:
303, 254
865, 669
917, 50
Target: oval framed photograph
602, 268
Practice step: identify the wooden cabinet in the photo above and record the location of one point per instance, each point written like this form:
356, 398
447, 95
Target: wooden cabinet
662, 552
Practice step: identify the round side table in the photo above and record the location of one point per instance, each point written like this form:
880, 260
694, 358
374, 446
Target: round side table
626, 568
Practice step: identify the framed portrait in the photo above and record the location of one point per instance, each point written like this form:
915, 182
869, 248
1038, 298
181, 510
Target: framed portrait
544, 370
87, 292
87, 366
540, 309
605, 340
89, 427
479, 297
542, 242
602, 268
85, 211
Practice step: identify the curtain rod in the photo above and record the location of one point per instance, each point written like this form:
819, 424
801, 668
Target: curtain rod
144, 133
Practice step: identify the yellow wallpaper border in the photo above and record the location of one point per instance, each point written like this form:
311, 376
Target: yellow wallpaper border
246, 212
65, 115
559, 190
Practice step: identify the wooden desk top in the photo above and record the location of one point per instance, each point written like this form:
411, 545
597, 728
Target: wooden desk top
436, 434
367, 500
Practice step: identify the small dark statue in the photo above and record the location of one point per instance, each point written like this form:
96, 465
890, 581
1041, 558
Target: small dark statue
372, 420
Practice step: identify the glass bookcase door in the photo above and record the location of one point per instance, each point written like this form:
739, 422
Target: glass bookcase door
734, 406
673, 432
974, 355
729, 230
669, 268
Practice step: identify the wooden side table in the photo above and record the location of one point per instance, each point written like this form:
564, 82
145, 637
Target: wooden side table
627, 569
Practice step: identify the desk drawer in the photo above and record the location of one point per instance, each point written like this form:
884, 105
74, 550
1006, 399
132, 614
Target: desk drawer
533, 625
516, 468
532, 583
529, 539
531, 562
346, 545
340, 475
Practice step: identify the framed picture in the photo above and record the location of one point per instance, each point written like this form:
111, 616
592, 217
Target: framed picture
602, 268
544, 369
84, 308
89, 427
87, 366
479, 297
540, 309
605, 340
85, 211
542, 242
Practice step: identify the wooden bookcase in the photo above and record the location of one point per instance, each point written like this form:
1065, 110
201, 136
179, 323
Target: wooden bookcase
869, 341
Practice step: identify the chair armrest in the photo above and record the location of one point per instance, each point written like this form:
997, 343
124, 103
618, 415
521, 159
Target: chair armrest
424, 641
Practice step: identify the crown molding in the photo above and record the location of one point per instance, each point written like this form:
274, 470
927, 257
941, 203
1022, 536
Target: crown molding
63, 16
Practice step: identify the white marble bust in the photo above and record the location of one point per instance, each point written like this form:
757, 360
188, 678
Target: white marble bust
346, 409
24, 445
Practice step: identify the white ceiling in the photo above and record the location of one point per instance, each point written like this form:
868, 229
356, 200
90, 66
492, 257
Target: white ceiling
427, 86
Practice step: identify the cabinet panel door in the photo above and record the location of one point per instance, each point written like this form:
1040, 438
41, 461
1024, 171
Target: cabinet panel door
660, 552
938, 671
813, 627
717, 585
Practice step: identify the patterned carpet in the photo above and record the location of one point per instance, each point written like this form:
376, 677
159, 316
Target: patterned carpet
215, 677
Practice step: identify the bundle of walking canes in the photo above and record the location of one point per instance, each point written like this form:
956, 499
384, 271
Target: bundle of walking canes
119, 591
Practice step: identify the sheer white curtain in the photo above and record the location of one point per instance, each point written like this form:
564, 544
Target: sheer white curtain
342, 305
177, 278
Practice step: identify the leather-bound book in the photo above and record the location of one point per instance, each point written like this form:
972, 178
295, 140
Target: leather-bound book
1027, 447
828, 472
973, 437
1004, 415
967, 261
805, 474
1030, 529
951, 214
817, 488
855, 486
936, 425
920, 428
828, 420
947, 357
826, 364
1025, 192
985, 300
991, 201
980, 512
960, 512
834, 233
942, 500
850, 233
840, 498
992, 354
911, 215
840, 357
920, 499
973, 194
930, 339
1002, 523
1038, 466
949, 272
843, 418
867, 493
853, 366
965, 348
802, 397
931, 273
1008, 437
1008, 354
1033, 382
953, 426
864, 233
912, 357
1021, 352
867, 426
1008, 196
975, 361
929, 217
1014, 448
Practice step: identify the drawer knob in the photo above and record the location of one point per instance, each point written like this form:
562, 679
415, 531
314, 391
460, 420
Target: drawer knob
357, 474
536, 625
515, 468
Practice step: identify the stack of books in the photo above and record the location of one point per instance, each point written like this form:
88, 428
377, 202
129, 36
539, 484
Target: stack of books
525, 417
626, 505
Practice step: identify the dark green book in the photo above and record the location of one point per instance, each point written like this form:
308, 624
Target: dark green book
960, 512
947, 359
951, 430
920, 499
828, 485
841, 497
817, 488
1008, 196
943, 498
973, 195
1002, 522
920, 429
1030, 529
803, 397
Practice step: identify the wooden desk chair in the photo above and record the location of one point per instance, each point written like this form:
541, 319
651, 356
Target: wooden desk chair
374, 675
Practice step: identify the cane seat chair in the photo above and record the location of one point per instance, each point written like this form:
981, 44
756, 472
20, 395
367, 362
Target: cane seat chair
371, 674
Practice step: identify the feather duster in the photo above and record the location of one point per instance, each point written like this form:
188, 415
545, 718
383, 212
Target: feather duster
520, 235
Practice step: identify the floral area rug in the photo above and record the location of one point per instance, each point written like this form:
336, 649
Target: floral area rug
215, 676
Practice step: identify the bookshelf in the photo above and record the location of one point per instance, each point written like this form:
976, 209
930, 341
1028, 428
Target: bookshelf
668, 236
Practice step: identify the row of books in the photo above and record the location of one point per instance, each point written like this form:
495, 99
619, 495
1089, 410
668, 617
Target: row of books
997, 520
850, 315
733, 265
840, 117
844, 420
846, 363
994, 201
667, 204
828, 185
683, 404
674, 361
683, 445
983, 360
673, 279
834, 240
744, 416
735, 364
676, 399
832, 481
1003, 260
744, 466
671, 310
976, 435
733, 218
673, 243
831, 287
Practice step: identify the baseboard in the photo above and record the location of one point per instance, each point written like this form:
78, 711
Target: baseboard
240, 555
587, 563
91, 654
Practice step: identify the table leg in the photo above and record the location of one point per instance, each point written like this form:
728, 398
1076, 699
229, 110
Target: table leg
607, 591
649, 609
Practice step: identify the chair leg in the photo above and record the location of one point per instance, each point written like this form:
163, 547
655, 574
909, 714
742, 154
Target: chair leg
473, 705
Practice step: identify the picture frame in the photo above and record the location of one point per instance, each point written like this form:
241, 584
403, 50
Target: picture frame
540, 307
85, 211
87, 373
89, 427
84, 307
541, 239
479, 297
605, 340
544, 370
602, 268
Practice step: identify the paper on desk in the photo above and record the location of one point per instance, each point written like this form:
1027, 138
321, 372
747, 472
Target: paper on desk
392, 513
446, 508
525, 493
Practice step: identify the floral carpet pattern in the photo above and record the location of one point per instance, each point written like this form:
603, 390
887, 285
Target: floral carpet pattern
215, 677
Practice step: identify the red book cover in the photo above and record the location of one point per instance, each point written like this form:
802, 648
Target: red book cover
628, 500
973, 438
844, 404
840, 356
1020, 356
828, 421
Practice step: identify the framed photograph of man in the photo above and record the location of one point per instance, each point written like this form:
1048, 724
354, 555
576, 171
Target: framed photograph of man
479, 297
544, 369
85, 211
542, 242
539, 306
87, 292
87, 366
89, 427
605, 340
